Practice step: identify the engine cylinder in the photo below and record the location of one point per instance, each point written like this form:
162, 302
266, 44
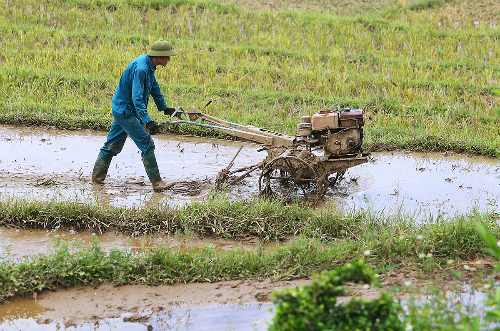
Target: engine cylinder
304, 129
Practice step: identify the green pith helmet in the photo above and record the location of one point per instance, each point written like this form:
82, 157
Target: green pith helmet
161, 48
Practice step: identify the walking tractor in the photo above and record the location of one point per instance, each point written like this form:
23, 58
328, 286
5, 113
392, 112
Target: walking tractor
302, 166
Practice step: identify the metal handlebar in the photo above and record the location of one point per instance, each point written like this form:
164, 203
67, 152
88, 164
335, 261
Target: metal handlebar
175, 112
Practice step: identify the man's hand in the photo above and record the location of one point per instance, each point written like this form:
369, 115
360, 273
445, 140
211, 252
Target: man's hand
169, 111
152, 127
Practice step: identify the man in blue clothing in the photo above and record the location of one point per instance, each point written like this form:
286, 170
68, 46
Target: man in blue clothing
130, 115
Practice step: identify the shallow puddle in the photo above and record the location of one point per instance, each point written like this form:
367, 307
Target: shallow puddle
28, 315
229, 305
23, 315
429, 186
16, 244
55, 164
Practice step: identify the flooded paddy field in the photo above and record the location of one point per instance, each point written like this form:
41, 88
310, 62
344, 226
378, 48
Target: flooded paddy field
38, 163
53, 164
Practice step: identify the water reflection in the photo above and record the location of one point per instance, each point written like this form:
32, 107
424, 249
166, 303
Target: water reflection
251, 317
427, 186
17, 244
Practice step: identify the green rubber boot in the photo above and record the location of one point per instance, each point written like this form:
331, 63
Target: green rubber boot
154, 174
101, 167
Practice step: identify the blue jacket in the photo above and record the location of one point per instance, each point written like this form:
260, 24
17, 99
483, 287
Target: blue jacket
136, 84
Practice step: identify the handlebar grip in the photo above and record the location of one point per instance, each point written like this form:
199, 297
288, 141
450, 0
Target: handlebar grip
209, 102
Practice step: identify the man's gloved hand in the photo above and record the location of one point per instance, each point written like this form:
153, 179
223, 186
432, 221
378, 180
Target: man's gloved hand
152, 127
169, 111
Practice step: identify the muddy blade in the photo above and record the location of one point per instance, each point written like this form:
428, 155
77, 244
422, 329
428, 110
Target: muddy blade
221, 179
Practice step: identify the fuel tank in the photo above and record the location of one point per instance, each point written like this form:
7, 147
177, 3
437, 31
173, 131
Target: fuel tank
325, 119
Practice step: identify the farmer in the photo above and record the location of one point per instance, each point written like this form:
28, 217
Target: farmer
130, 115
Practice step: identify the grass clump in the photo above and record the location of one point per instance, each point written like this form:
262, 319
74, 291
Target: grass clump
390, 237
309, 241
70, 264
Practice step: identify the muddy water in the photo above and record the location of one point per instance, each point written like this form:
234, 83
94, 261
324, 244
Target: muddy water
427, 186
17, 244
251, 317
54, 164
40, 163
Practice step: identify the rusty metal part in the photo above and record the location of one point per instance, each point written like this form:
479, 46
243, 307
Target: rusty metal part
247, 132
342, 142
223, 180
342, 164
247, 173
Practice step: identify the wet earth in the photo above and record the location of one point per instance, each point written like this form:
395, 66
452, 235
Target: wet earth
50, 164
43, 163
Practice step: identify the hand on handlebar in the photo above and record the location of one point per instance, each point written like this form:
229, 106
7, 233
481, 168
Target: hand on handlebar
169, 111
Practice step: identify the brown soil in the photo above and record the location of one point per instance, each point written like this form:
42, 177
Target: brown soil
85, 304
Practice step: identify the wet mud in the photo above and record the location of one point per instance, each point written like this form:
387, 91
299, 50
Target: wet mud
43, 163
55, 164
230, 305
38, 163
174, 305
79, 304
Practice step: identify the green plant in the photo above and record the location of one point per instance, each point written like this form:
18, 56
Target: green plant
315, 306
492, 315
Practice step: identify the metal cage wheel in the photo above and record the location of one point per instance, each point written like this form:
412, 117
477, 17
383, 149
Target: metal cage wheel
289, 177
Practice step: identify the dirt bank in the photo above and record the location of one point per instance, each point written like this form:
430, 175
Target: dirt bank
85, 304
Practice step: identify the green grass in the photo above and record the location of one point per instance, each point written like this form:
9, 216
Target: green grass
323, 241
89, 264
386, 235
424, 72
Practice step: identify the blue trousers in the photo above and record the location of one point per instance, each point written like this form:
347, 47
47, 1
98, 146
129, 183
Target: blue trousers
123, 126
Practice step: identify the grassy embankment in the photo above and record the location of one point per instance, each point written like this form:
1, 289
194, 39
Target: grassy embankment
329, 239
424, 77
